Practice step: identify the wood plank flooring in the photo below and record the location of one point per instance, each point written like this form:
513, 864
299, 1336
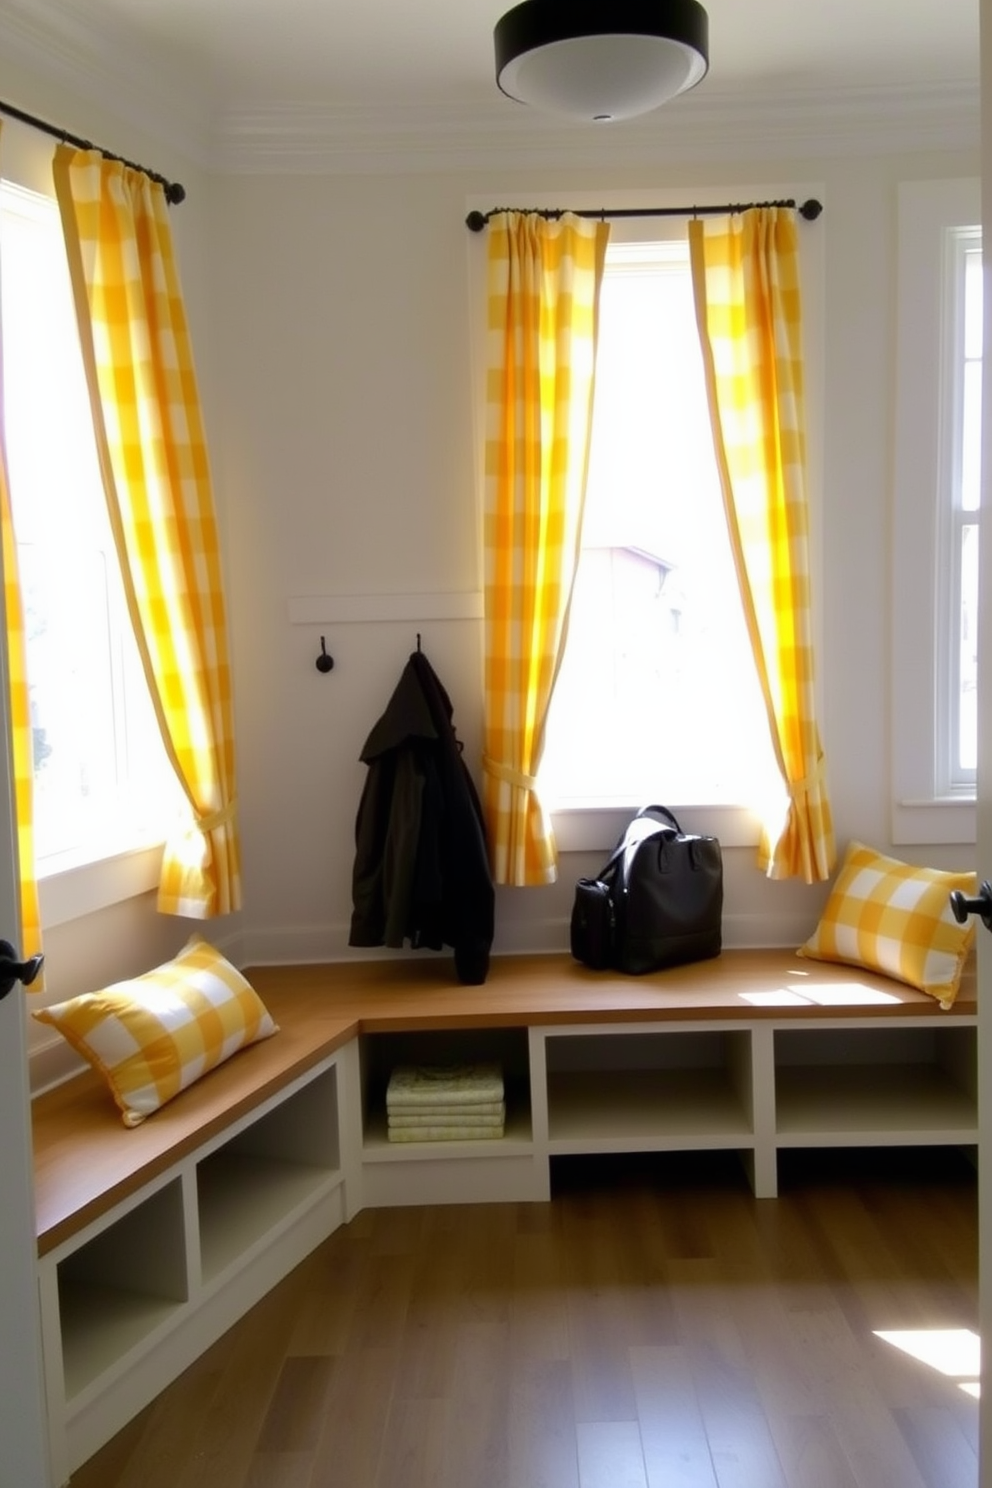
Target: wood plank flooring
653, 1326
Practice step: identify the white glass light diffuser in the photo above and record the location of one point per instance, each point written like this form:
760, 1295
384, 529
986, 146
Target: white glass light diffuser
584, 61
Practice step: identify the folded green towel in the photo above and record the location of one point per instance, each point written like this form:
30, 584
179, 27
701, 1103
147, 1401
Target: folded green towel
451, 1112
448, 1085
441, 1116
444, 1133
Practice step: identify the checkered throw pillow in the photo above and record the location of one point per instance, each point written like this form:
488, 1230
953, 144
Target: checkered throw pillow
895, 918
154, 1035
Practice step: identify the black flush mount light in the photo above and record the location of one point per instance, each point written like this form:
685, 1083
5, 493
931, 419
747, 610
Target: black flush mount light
599, 60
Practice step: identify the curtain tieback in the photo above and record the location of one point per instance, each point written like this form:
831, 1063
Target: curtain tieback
214, 819
508, 774
799, 788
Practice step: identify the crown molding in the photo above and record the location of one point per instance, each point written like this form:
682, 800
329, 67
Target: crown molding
95, 66
325, 139
109, 68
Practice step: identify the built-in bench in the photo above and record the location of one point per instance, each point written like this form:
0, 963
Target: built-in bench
153, 1240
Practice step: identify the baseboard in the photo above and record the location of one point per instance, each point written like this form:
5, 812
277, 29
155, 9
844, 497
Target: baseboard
302, 945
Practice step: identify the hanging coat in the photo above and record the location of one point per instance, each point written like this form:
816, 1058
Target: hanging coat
421, 869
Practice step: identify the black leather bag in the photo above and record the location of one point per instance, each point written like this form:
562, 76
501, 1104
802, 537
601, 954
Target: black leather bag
657, 902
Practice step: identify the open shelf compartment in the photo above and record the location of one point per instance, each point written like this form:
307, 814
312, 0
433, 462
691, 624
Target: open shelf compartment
120, 1288
876, 1086
267, 1173
646, 1091
381, 1053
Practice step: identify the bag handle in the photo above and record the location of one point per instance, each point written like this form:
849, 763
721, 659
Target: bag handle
664, 813
666, 820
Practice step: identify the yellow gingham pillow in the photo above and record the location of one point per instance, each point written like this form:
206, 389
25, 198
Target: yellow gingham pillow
895, 918
154, 1035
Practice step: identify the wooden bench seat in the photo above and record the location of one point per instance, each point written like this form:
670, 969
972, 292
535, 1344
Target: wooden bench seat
86, 1161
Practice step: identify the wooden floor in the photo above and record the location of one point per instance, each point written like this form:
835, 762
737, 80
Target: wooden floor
653, 1326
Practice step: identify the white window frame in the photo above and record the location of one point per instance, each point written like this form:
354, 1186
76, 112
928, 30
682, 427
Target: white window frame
928, 805
953, 518
70, 890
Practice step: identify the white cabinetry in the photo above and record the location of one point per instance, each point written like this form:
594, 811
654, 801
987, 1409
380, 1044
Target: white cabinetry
252, 1185
755, 1086
511, 1167
191, 1240
876, 1086
134, 1298
690, 1088
120, 1288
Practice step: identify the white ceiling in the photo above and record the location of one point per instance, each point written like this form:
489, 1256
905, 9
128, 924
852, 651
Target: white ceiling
395, 51
222, 62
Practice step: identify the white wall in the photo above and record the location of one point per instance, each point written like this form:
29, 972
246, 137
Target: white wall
331, 323
345, 425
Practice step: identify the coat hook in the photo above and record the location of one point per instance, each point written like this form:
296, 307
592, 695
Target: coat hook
324, 663
418, 640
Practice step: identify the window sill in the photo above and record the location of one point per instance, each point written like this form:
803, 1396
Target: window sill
598, 828
84, 888
948, 820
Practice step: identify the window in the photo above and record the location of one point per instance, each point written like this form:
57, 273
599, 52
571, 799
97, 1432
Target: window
959, 495
102, 781
658, 697
936, 507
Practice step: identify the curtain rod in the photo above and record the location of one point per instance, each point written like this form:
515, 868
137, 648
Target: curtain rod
810, 210
174, 192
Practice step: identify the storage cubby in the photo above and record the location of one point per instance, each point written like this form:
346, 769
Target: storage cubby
623, 1092
121, 1287
875, 1086
261, 1177
381, 1053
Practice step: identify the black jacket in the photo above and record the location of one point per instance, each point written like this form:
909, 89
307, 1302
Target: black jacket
421, 864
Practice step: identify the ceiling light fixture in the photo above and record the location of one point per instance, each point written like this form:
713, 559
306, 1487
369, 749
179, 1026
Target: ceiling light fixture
600, 60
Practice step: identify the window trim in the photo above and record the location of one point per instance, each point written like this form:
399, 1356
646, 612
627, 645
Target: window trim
922, 811
72, 886
599, 828
953, 517
70, 893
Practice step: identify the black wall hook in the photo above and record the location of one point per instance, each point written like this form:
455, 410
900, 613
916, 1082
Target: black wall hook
324, 662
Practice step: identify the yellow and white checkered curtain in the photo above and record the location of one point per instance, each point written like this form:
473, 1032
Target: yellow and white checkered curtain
21, 733
745, 272
153, 457
22, 737
543, 305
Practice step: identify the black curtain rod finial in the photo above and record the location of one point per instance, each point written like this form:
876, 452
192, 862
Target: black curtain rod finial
174, 192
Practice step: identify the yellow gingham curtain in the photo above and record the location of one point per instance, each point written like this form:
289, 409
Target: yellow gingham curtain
745, 272
22, 738
544, 283
21, 734
153, 457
